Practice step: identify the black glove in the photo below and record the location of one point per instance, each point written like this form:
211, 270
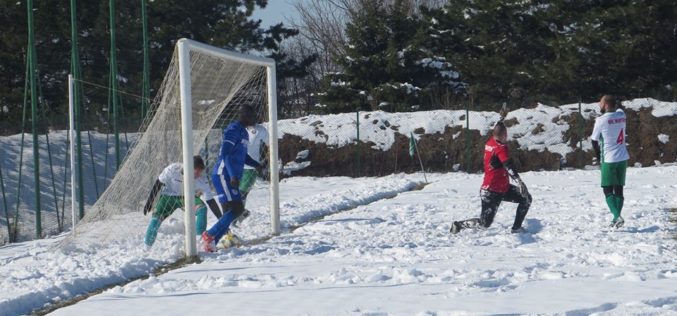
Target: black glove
522, 188
151, 197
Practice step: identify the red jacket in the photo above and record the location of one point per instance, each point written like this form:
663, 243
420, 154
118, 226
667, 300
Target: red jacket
495, 179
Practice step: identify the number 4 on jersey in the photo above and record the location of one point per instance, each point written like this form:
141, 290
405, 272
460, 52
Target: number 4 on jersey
621, 137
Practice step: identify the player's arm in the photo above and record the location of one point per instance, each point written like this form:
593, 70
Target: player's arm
595, 147
496, 163
151, 197
203, 187
594, 138
512, 172
249, 161
501, 159
230, 139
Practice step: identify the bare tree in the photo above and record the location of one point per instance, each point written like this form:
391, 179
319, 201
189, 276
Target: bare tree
322, 31
322, 24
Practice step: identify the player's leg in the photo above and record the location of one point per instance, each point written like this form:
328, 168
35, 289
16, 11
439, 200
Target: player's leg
490, 203
235, 209
231, 201
220, 194
163, 209
620, 171
610, 179
200, 216
248, 181
524, 202
610, 199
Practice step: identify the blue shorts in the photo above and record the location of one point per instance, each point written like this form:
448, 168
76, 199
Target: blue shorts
224, 191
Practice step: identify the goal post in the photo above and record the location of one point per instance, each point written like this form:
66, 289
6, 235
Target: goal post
185, 47
200, 94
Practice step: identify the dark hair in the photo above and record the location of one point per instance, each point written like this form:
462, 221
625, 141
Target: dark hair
198, 163
499, 128
247, 110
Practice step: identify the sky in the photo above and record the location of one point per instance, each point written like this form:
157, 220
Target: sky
276, 11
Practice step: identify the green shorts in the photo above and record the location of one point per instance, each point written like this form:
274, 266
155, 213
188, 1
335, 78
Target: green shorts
613, 173
248, 180
166, 205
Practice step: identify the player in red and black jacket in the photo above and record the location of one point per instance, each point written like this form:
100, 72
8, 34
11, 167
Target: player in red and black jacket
498, 167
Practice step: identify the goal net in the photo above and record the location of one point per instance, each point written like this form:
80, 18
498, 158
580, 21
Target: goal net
209, 85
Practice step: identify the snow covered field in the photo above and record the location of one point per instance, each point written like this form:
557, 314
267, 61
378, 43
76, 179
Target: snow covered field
391, 257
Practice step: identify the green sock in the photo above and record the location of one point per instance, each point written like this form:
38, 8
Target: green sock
619, 203
611, 202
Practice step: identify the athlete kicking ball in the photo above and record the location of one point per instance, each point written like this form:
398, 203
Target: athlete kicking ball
227, 175
496, 186
612, 154
170, 182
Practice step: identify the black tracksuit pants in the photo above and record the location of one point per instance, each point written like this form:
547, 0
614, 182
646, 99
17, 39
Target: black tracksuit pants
490, 203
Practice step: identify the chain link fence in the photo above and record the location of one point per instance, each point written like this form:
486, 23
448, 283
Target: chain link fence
27, 212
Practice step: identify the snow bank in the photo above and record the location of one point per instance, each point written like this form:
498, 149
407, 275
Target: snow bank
537, 128
659, 108
37, 273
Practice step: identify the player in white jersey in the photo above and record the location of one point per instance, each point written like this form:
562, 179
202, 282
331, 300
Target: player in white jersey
170, 182
608, 141
258, 141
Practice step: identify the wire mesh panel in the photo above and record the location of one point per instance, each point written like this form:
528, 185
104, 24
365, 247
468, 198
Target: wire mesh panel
218, 87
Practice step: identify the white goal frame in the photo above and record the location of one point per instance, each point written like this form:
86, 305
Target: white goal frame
185, 46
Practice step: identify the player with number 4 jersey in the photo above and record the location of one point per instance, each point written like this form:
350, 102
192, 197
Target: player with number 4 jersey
608, 141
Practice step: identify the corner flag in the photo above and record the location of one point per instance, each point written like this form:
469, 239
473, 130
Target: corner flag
413, 148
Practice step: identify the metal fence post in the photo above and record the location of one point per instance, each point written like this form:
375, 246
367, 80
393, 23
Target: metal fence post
357, 143
467, 136
580, 124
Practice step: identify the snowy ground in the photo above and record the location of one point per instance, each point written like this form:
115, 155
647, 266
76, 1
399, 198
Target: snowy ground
395, 256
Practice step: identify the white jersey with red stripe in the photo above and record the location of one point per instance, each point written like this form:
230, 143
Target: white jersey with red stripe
610, 131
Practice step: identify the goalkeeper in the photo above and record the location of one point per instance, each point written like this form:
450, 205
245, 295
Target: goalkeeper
496, 186
170, 182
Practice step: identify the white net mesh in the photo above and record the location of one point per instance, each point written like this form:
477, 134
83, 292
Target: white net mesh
219, 86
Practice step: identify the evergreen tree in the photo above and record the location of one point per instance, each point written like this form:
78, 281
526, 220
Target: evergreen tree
227, 24
386, 64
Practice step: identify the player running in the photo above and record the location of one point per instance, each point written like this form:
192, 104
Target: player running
170, 182
496, 186
612, 154
258, 139
227, 174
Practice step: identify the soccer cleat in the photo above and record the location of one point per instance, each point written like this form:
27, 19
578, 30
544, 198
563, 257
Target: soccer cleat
617, 223
208, 242
455, 227
519, 230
